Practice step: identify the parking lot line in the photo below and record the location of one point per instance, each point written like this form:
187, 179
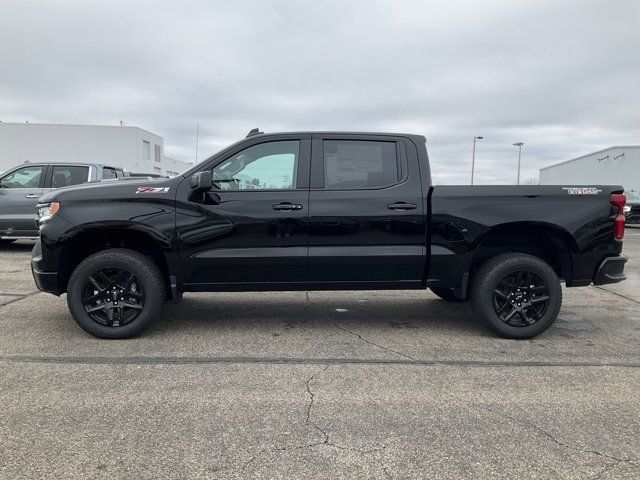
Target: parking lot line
154, 360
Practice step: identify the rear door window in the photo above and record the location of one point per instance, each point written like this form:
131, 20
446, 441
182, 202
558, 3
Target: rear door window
360, 164
68, 175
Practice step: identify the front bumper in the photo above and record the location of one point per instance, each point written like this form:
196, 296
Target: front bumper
610, 270
45, 281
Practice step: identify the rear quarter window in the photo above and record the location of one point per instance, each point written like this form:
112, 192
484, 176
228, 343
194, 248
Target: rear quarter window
111, 173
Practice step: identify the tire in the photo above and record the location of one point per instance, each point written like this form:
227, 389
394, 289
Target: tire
6, 241
125, 282
497, 290
446, 294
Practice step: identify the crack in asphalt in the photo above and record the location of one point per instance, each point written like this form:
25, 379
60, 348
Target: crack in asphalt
528, 423
21, 296
617, 294
607, 468
326, 441
311, 401
344, 329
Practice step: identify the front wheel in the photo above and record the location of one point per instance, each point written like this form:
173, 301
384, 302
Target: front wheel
516, 295
116, 293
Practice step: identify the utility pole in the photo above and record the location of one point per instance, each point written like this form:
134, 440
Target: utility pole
519, 145
197, 138
473, 157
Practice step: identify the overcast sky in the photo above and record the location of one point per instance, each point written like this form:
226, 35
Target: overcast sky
561, 76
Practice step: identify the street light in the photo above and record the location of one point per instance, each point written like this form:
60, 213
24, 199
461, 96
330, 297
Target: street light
473, 157
519, 145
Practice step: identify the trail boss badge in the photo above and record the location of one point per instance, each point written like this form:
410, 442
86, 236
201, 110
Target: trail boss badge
582, 190
144, 190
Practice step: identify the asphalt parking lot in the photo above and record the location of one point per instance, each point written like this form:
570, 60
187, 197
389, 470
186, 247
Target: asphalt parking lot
320, 385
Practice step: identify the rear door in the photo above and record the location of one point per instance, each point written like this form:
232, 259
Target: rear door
366, 218
19, 193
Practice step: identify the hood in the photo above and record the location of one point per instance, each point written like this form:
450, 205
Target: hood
115, 190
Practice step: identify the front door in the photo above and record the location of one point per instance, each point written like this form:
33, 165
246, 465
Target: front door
251, 228
366, 216
19, 193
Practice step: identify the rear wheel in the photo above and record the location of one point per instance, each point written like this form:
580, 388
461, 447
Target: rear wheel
446, 294
516, 295
116, 293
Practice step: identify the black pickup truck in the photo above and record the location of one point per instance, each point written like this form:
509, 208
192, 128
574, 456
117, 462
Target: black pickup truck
324, 211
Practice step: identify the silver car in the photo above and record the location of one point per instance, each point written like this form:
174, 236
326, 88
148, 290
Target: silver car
20, 188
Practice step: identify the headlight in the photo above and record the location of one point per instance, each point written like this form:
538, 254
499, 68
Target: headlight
46, 211
626, 209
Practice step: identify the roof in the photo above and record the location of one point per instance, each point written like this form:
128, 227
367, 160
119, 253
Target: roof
344, 132
415, 136
64, 164
592, 153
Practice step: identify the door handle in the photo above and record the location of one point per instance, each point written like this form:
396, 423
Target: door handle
287, 207
31, 195
402, 206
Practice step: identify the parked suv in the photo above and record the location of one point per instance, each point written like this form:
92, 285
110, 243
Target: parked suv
20, 188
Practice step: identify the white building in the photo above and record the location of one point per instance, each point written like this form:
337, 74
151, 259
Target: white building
611, 166
132, 148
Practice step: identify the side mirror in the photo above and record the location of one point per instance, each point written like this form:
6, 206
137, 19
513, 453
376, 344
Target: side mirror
201, 181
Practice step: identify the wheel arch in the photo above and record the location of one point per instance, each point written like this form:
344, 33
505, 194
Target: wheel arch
88, 241
546, 241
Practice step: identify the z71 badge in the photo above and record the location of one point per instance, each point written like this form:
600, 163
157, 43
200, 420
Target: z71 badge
143, 190
582, 190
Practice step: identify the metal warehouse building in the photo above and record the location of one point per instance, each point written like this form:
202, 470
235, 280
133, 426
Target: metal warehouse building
132, 148
611, 166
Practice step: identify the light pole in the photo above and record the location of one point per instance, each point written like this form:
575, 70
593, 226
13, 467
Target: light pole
473, 157
519, 145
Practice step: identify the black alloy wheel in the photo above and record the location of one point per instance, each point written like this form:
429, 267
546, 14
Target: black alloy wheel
521, 299
516, 295
116, 293
113, 297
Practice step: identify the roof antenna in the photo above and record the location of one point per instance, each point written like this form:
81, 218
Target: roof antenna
255, 131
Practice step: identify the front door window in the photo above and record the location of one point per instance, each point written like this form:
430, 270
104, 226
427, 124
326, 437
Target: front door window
266, 166
26, 177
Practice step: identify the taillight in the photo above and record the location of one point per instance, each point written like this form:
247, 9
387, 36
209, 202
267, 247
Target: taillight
619, 200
